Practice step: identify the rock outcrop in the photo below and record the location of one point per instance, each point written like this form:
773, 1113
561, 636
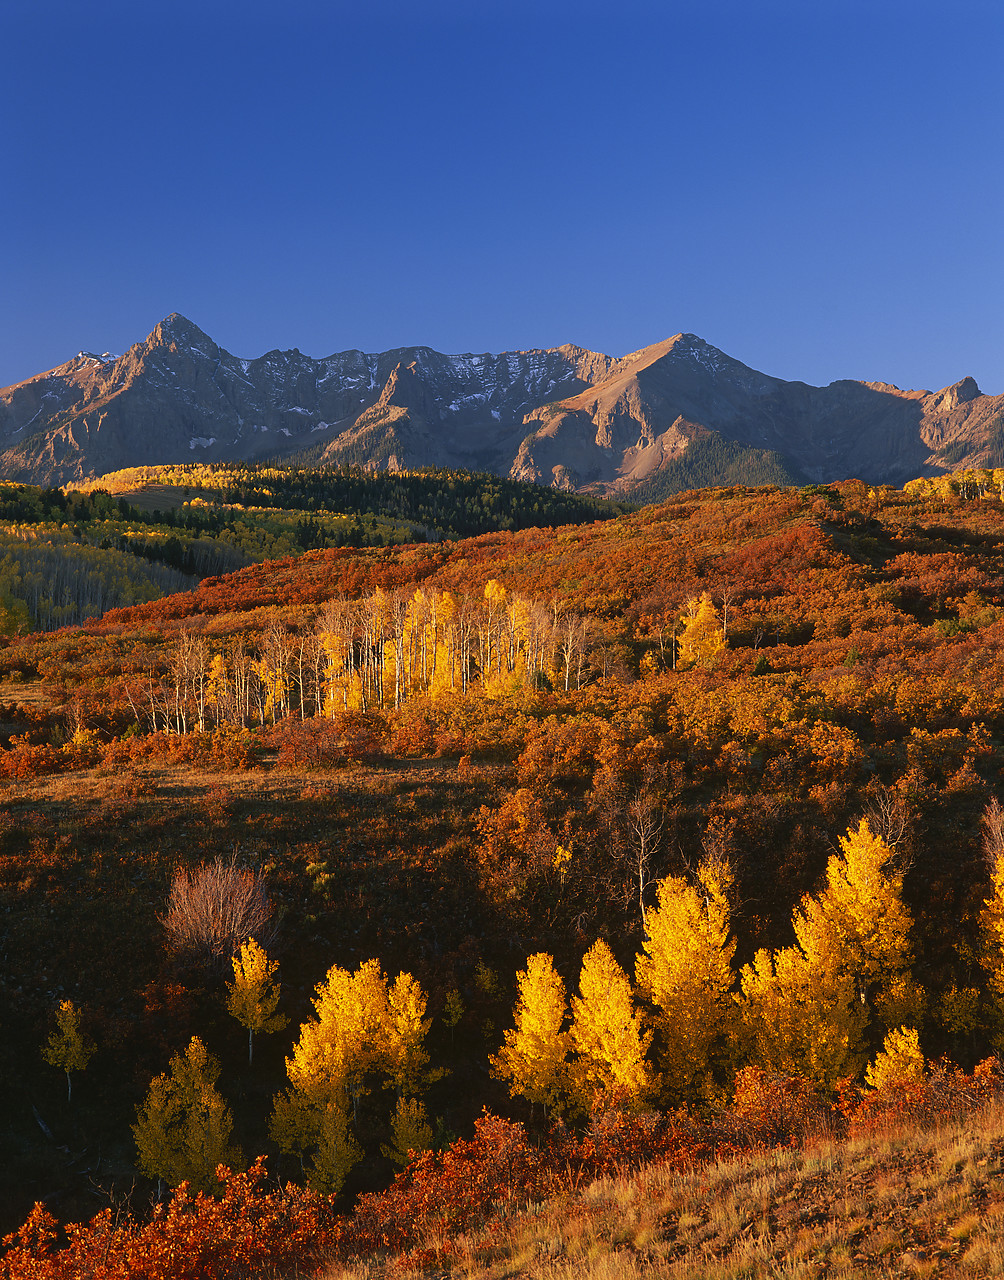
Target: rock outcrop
564, 416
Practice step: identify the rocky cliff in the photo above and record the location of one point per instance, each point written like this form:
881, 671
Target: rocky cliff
564, 416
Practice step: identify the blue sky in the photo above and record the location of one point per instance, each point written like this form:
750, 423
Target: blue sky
813, 186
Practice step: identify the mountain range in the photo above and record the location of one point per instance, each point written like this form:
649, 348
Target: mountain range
674, 414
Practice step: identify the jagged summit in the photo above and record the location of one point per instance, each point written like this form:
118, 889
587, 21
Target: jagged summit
177, 326
562, 416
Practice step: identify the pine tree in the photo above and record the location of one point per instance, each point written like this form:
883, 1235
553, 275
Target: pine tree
183, 1127
686, 972
609, 1064
254, 993
68, 1049
534, 1055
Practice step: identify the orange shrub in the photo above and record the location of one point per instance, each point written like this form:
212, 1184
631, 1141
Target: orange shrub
476, 1179
233, 747
778, 1109
24, 760
189, 1237
303, 744
948, 1093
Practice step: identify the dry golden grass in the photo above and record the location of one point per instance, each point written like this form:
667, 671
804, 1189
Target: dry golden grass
916, 1205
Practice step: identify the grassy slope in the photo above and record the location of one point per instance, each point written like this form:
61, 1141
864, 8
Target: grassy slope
373, 862
915, 1204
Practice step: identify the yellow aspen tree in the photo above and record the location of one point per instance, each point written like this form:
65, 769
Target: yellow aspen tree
860, 926
992, 915
446, 671
534, 1055
686, 973
609, 1044
411, 1132
814, 1007
328, 1070
900, 1060
254, 993
183, 1126
361, 1031
407, 1061
347, 1041
218, 684
702, 638
67, 1048
797, 1021
336, 1151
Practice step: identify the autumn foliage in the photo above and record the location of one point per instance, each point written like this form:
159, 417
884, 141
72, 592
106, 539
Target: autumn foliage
637, 806
191, 1236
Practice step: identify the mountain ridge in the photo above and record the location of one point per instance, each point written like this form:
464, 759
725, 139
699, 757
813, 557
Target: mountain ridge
563, 416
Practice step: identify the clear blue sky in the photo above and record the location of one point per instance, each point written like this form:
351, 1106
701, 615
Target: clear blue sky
815, 186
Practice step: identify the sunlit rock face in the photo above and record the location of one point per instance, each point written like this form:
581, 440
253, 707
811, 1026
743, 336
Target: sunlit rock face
564, 416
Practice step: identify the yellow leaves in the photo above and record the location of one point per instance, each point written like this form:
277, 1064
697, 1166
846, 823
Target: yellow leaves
183, 1127
67, 1048
899, 1062
607, 1037
362, 1029
533, 1057
808, 1007
702, 639
407, 1061
686, 972
800, 1021
599, 1060
992, 922
337, 1152
411, 1132
495, 592
254, 994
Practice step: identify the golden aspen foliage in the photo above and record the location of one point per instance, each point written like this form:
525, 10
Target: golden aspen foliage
992, 915
183, 1126
533, 1057
411, 1131
495, 592
900, 1060
812, 1008
254, 993
67, 1048
347, 1041
702, 638
407, 1061
361, 1031
799, 1023
686, 973
607, 1038
336, 1151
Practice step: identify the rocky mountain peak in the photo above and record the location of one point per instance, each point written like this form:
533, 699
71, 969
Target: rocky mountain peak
564, 415
177, 331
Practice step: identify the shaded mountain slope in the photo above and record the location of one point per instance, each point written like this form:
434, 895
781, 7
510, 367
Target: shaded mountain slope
566, 416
